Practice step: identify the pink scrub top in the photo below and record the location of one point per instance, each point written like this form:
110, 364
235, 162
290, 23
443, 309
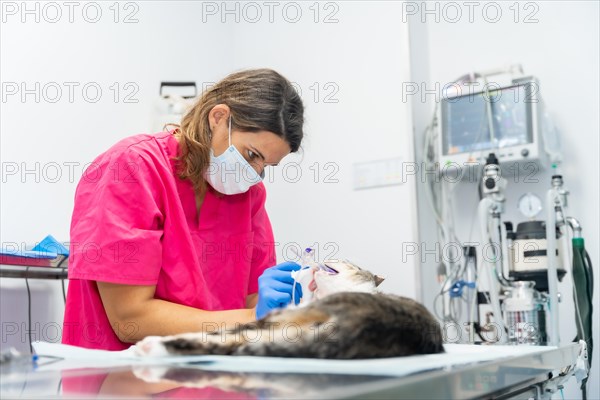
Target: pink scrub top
135, 223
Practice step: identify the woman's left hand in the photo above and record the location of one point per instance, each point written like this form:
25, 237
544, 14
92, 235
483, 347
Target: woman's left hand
275, 288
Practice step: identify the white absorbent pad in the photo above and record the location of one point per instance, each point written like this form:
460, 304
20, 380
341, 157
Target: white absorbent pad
455, 355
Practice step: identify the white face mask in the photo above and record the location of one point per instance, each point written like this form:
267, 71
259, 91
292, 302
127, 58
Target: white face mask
230, 173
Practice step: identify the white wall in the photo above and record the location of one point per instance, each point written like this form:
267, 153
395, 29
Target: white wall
167, 43
356, 63
561, 49
365, 57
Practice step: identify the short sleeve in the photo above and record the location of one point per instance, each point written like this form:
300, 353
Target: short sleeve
263, 250
117, 223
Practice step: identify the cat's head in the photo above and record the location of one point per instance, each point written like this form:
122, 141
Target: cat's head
333, 276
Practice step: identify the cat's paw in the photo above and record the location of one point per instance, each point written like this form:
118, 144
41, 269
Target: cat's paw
151, 346
150, 373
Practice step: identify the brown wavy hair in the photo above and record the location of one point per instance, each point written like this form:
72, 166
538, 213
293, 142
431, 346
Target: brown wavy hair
258, 99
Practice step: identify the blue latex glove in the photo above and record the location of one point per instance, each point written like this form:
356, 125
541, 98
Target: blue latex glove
275, 287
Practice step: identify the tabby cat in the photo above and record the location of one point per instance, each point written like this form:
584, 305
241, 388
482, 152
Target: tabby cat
347, 318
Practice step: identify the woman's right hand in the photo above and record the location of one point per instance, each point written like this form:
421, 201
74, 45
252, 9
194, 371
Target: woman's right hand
275, 287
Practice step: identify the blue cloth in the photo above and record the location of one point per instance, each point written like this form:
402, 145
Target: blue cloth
51, 245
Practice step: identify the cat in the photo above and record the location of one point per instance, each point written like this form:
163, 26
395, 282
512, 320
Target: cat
347, 318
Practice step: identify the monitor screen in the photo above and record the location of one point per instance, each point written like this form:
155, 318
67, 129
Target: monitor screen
465, 126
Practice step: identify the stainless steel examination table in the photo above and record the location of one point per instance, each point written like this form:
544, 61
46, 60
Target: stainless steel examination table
465, 371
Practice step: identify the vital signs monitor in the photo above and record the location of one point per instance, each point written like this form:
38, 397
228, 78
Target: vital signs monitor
500, 120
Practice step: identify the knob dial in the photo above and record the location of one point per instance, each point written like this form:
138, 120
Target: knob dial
530, 205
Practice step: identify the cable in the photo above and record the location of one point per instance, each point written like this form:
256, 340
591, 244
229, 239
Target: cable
29, 329
577, 308
62, 281
24, 385
566, 243
443, 192
60, 263
454, 311
434, 203
435, 308
428, 155
588, 264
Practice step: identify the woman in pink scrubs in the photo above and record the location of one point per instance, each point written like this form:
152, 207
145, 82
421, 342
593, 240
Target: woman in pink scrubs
169, 231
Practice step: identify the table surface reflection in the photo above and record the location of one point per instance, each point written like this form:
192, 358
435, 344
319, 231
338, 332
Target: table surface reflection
27, 380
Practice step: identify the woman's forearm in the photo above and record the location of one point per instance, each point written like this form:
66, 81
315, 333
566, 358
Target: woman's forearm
161, 318
134, 313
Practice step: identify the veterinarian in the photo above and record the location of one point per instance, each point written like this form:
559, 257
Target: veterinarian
169, 232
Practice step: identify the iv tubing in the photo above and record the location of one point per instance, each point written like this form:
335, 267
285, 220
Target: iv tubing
552, 199
483, 212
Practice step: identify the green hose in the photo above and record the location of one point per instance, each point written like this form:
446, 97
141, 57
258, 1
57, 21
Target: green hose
582, 293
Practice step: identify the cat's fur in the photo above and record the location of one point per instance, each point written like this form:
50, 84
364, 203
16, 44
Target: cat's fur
339, 323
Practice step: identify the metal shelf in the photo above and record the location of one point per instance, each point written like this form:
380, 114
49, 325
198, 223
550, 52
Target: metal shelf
22, 272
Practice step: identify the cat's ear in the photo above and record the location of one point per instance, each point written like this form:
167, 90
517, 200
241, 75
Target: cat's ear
378, 280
